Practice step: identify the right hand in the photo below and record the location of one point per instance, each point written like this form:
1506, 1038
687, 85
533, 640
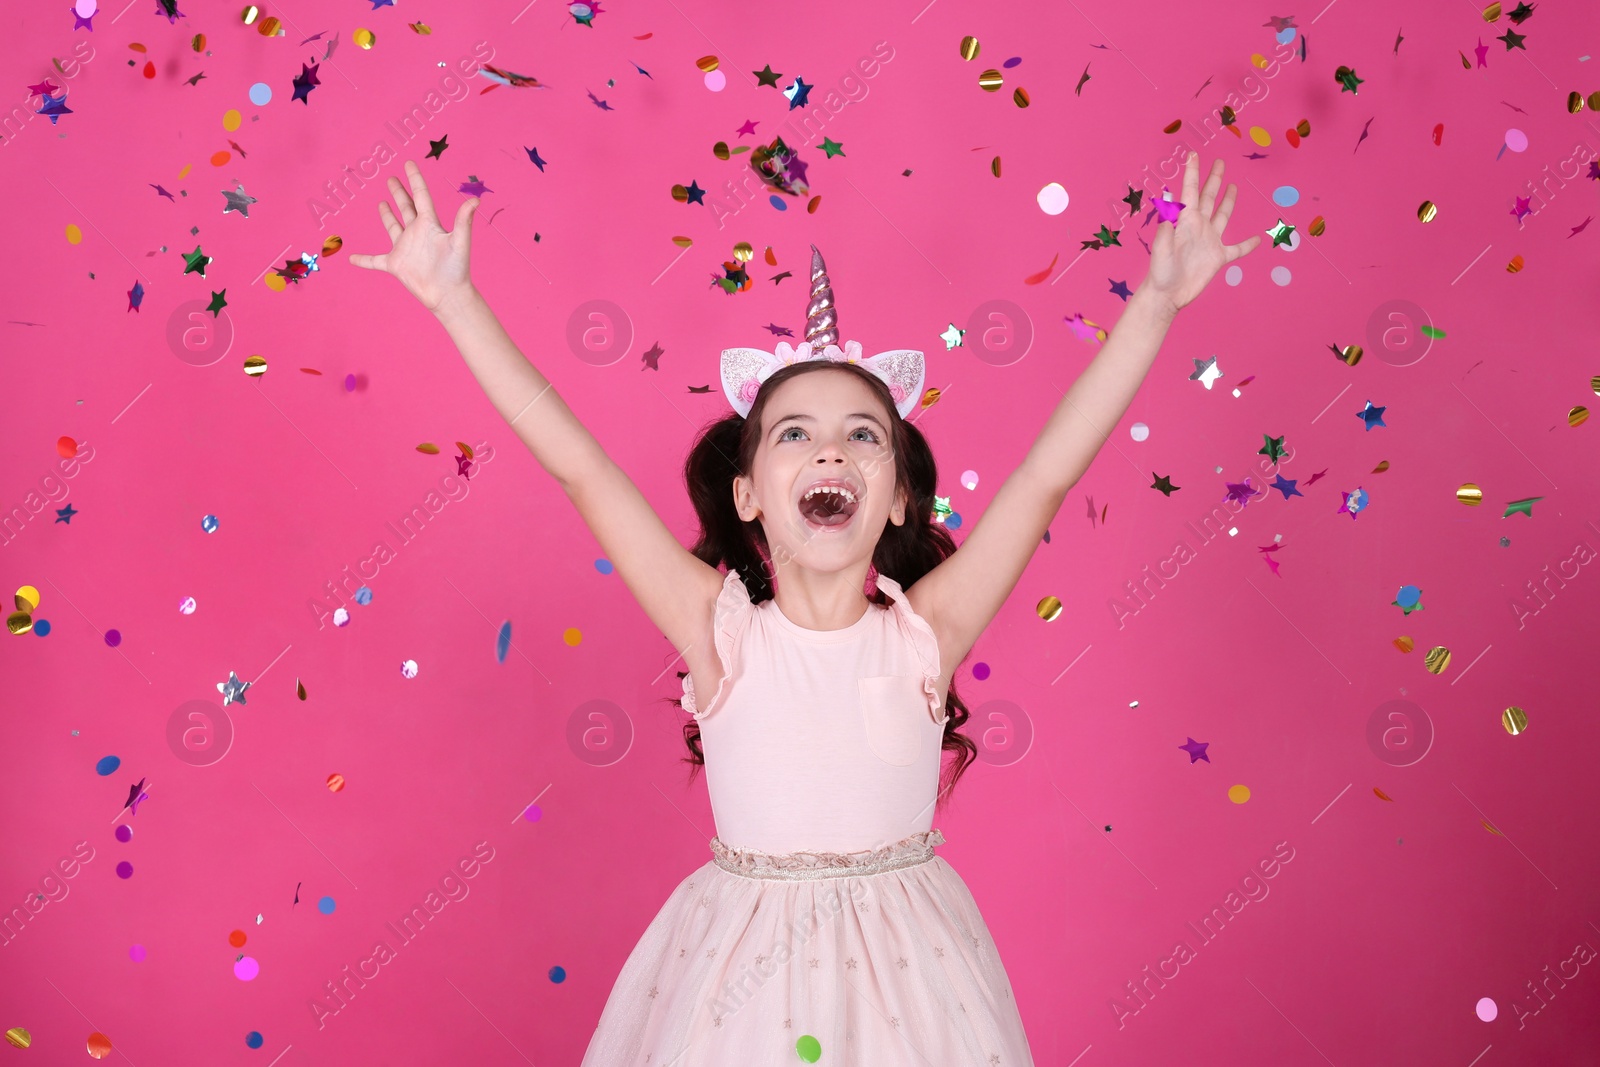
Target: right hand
429, 262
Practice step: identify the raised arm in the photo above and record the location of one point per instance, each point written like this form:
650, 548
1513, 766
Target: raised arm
676, 590
963, 594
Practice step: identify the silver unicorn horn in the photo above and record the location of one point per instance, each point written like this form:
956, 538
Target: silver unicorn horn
822, 324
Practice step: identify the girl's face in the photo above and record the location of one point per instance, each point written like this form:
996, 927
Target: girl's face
818, 429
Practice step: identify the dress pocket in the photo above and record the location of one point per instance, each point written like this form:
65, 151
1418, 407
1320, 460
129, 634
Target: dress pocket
894, 708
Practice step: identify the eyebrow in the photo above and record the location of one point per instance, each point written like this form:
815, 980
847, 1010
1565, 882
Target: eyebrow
853, 415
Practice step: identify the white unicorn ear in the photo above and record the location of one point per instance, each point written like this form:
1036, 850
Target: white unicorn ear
903, 370
741, 376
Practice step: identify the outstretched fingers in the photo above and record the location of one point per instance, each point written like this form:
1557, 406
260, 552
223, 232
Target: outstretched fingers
1225, 212
419, 192
378, 262
1208, 195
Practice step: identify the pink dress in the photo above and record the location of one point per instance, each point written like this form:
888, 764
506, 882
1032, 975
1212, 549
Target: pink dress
824, 929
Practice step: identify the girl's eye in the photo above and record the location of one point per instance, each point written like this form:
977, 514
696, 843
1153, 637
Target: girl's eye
871, 436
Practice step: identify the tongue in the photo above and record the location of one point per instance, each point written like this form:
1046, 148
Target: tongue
828, 509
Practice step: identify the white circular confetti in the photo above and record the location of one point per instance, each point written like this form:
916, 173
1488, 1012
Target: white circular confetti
969, 479
409, 668
1516, 140
1488, 1010
1139, 432
187, 605
1233, 275
1293, 244
1281, 275
1053, 199
341, 617
85, 8
716, 81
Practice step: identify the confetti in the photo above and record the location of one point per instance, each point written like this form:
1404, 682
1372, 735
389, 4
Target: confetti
107, 765
1382, 795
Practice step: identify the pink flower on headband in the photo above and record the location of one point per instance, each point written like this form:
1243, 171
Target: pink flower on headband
747, 391
898, 393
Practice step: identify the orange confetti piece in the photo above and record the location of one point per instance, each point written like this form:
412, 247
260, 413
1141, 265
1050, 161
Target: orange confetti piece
219, 159
1491, 829
771, 257
1382, 795
310, 370
428, 448
466, 450
137, 47
683, 242
1035, 279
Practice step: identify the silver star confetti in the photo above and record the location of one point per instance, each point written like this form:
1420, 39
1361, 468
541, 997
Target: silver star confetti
233, 689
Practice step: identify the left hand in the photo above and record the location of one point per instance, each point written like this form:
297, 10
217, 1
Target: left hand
1185, 256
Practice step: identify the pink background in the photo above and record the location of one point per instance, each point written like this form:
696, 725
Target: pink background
1376, 940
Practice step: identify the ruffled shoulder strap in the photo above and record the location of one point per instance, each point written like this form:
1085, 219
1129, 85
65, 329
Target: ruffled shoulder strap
729, 619
924, 641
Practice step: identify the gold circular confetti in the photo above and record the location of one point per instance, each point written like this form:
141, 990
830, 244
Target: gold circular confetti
74, 235
1492, 12
231, 119
1404, 644
1594, 384
572, 636
27, 599
1428, 211
1437, 659
199, 42
1351, 354
1574, 102
1578, 416
276, 282
1239, 793
720, 150
707, 64
930, 398
680, 193
255, 366
683, 242
1515, 265
1258, 61
1469, 494
335, 782
1020, 97
1594, 100
363, 38
99, 1045
269, 26
19, 622
1318, 227
990, 80
331, 244
969, 48
1514, 719
18, 1037
1260, 136
813, 204
1048, 608
994, 166
250, 14
744, 252
1173, 127
428, 448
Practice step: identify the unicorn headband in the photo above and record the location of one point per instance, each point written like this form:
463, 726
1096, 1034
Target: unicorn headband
745, 369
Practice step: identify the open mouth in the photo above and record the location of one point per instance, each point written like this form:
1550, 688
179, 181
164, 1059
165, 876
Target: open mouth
828, 507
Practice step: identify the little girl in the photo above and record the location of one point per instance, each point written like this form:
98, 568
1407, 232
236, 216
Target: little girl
824, 928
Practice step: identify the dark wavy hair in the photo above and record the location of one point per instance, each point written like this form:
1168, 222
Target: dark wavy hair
727, 448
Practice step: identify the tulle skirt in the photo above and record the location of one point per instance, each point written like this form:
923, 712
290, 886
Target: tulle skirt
874, 959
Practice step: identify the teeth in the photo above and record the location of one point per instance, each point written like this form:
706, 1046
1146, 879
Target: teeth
847, 494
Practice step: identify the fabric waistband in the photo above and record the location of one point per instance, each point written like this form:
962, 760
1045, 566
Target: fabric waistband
749, 863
